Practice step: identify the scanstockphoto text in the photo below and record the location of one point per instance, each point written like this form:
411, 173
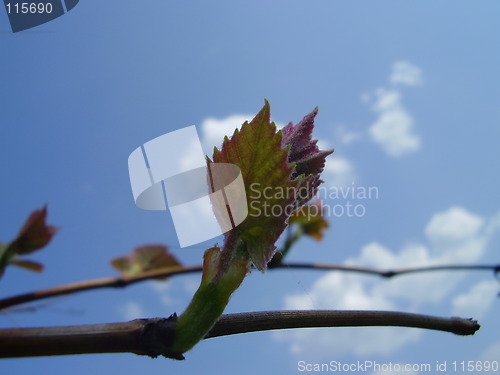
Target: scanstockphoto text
369, 366
337, 201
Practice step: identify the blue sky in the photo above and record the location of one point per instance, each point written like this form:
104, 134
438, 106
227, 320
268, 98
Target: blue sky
409, 97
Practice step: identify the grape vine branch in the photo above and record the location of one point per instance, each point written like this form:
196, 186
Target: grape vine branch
123, 281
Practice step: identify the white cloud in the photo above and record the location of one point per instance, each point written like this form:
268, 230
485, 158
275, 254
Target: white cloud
159, 286
477, 300
405, 73
442, 248
400, 369
365, 97
452, 226
350, 292
339, 171
191, 285
337, 290
132, 310
170, 293
346, 136
386, 100
381, 257
213, 130
342, 291
406, 289
331, 291
460, 233
493, 224
191, 156
323, 144
393, 130
492, 353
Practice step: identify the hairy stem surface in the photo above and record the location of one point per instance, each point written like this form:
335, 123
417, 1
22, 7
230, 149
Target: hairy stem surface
223, 272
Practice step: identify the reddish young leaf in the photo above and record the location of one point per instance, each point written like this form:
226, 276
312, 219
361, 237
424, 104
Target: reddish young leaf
35, 233
27, 264
4, 257
145, 258
304, 151
280, 175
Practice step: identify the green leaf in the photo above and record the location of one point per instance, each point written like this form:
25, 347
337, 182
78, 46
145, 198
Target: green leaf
272, 194
145, 258
310, 219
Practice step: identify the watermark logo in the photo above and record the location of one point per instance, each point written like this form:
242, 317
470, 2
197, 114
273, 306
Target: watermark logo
346, 201
336, 201
25, 14
204, 200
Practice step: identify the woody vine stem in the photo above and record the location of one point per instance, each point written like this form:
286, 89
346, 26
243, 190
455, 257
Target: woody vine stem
287, 160
154, 337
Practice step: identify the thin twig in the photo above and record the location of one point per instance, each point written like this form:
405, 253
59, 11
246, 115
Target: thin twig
122, 281
395, 272
153, 336
105, 282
